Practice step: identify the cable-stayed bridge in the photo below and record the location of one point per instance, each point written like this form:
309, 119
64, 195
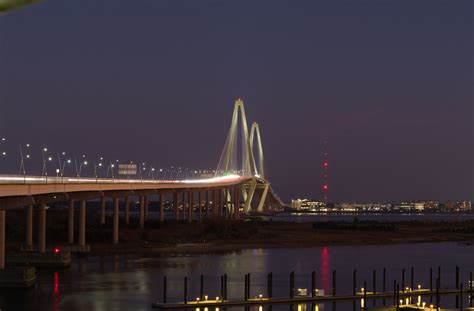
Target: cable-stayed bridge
239, 187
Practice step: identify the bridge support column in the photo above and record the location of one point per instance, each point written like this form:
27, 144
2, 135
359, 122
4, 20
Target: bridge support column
82, 224
263, 198
141, 212
248, 200
162, 207
207, 204
42, 229
215, 209
102, 210
2, 238
183, 200
228, 203
70, 222
190, 206
199, 205
175, 205
116, 221
29, 227
127, 210
219, 203
147, 203
236, 202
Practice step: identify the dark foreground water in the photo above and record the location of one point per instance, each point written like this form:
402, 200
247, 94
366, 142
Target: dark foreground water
130, 282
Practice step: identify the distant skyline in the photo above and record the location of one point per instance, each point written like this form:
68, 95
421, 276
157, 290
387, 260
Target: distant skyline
388, 84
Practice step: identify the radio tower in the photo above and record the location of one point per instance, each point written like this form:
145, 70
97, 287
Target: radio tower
325, 174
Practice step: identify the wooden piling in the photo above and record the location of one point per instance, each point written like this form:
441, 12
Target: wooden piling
403, 280
292, 284
270, 285
164, 289
185, 290
201, 292
354, 282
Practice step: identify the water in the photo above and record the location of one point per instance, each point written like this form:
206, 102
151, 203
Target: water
312, 217
131, 282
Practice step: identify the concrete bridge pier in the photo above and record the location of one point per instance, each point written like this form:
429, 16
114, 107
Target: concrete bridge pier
183, 200
42, 229
127, 210
190, 206
70, 223
220, 202
236, 202
207, 203
2, 239
116, 221
175, 205
215, 204
29, 228
199, 205
82, 224
161, 197
102, 210
147, 203
141, 212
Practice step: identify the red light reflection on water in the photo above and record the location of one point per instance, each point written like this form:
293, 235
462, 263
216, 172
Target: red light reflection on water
56, 291
325, 266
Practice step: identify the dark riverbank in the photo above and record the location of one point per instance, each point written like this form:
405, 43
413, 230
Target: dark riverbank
223, 235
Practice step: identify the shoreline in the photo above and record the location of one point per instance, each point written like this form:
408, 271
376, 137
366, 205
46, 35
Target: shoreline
221, 235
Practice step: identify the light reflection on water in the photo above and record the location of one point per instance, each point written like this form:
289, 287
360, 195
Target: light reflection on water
130, 282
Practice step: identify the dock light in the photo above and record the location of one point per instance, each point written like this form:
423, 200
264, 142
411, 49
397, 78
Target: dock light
431, 306
205, 297
197, 299
362, 289
424, 304
56, 250
401, 302
407, 289
217, 298
419, 286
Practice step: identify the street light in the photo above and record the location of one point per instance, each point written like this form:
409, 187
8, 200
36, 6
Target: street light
79, 168
111, 169
22, 159
68, 161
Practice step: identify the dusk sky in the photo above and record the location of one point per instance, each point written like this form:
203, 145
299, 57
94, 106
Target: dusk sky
388, 83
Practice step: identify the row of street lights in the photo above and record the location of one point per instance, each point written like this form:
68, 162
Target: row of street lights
63, 161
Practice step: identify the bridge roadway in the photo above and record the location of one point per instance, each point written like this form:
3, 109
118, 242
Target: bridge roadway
222, 196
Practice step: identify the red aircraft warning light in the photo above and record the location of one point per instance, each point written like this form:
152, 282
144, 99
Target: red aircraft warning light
325, 187
326, 164
56, 250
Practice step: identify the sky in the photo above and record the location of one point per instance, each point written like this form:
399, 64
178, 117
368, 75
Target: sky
388, 84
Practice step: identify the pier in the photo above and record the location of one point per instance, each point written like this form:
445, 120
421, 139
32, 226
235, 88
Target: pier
400, 297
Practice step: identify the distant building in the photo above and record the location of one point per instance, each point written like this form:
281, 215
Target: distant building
458, 206
307, 204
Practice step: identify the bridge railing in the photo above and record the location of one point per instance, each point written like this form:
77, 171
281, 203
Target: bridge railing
26, 179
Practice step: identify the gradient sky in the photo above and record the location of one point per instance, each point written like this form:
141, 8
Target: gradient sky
389, 83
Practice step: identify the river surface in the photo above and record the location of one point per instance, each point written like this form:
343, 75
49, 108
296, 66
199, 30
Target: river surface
312, 217
133, 282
